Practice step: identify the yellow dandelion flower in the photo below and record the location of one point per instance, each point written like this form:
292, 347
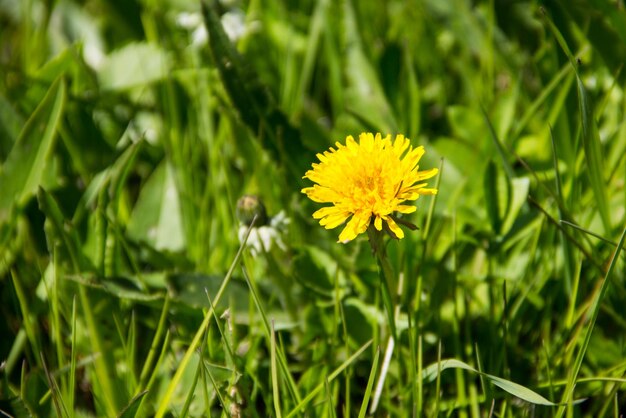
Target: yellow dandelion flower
368, 180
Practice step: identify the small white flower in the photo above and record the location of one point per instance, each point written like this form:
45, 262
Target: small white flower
262, 238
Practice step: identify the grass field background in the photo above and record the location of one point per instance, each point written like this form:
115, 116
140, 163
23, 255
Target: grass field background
129, 130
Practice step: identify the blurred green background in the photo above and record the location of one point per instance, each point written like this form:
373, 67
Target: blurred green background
129, 130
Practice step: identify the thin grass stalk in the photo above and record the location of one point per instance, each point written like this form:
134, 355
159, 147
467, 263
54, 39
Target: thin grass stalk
152, 353
370, 383
163, 405
73, 354
274, 374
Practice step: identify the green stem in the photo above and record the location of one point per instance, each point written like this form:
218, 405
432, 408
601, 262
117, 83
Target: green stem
387, 278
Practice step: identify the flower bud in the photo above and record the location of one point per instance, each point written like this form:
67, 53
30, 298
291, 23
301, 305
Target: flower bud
247, 207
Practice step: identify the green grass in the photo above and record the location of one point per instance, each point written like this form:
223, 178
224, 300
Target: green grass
125, 147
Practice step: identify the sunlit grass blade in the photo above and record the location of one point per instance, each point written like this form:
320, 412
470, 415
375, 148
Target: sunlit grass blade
191, 390
153, 378
329, 399
370, 384
148, 368
383, 374
433, 202
274, 374
73, 355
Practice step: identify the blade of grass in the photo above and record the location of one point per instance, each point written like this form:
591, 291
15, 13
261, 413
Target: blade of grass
104, 364
329, 399
22, 172
383, 374
317, 25
330, 378
588, 232
590, 137
165, 400
253, 101
56, 322
594, 310
531, 110
148, 364
438, 384
57, 399
414, 368
221, 399
130, 410
28, 318
274, 374
282, 361
157, 366
73, 354
501, 150
192, 389
370, 383
566, 245
569, 237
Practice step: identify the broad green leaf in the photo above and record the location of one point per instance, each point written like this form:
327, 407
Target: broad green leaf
522, 392
23, 170
156, 218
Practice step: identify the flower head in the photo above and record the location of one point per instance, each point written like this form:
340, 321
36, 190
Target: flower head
368, 180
